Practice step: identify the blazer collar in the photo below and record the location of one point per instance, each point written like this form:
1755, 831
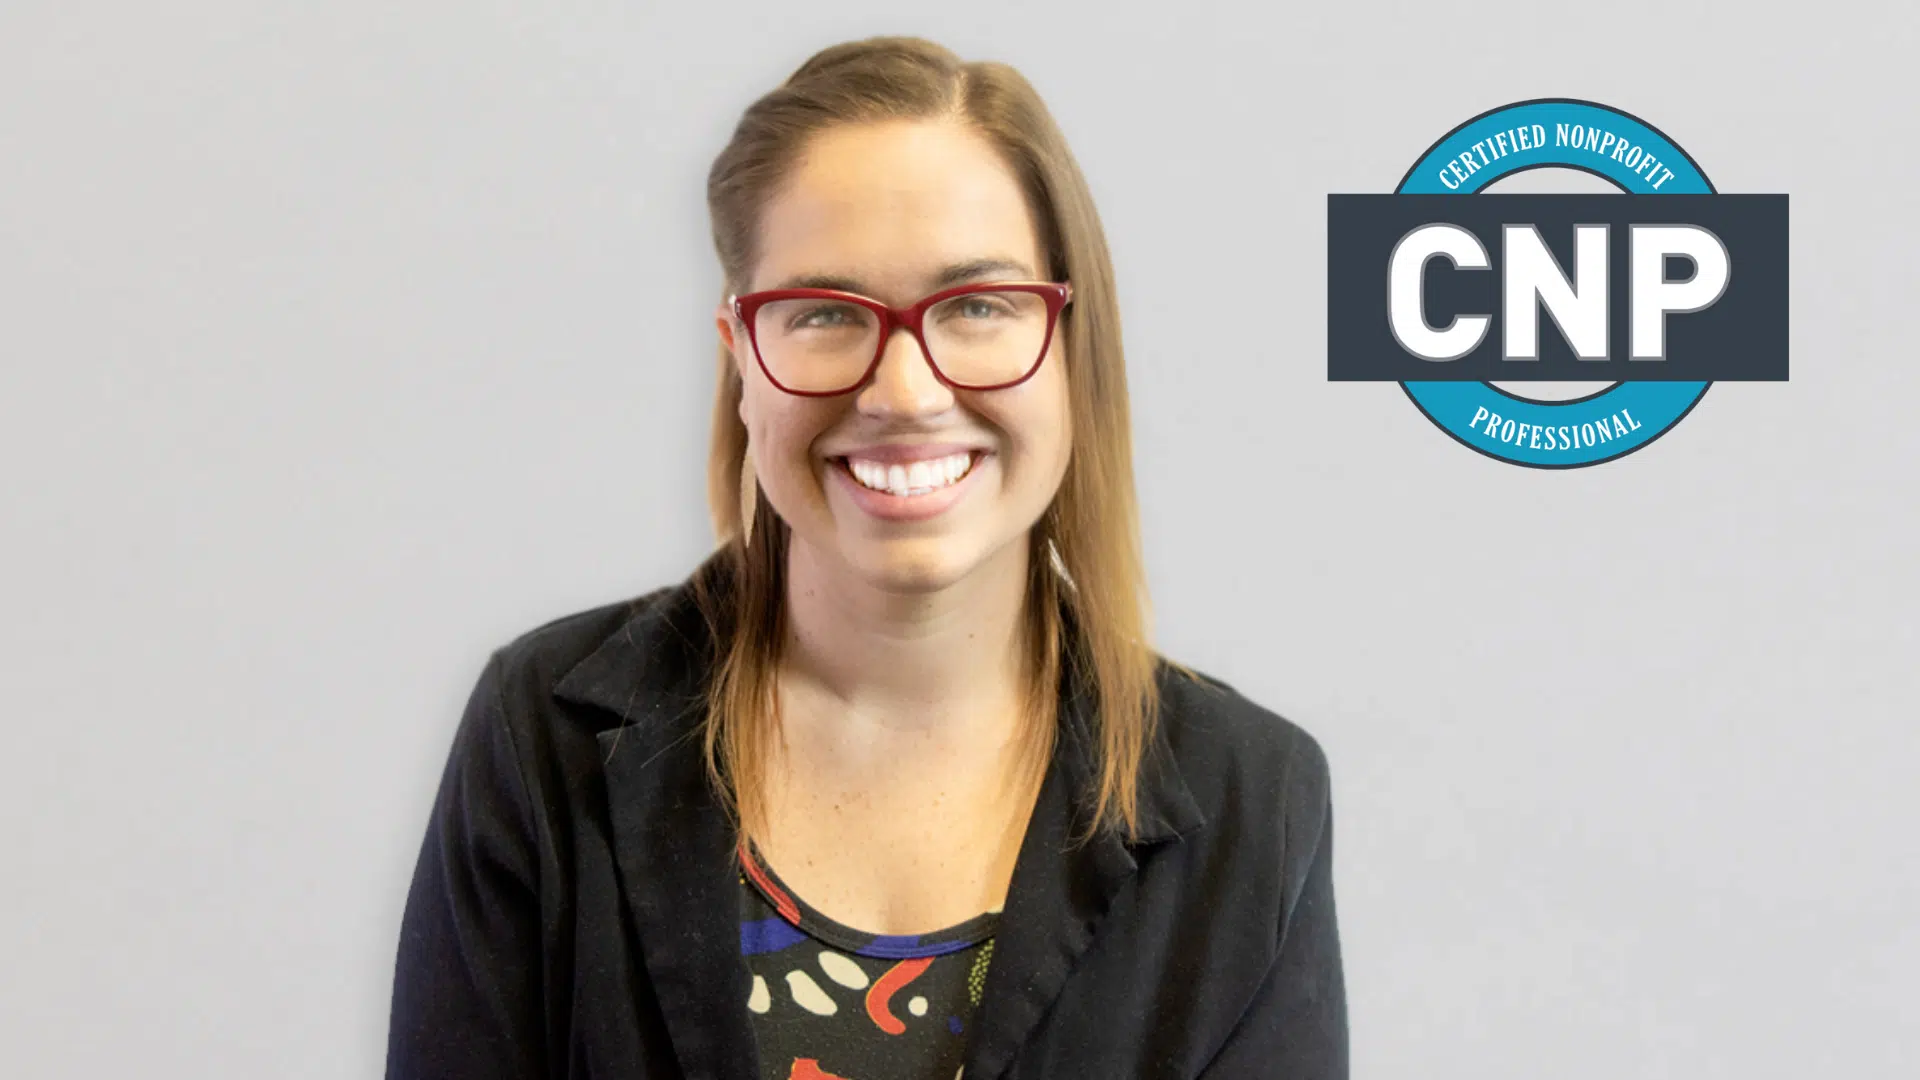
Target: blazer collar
674, 848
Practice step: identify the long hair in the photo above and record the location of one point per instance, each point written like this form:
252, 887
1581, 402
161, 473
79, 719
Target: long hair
1087, 607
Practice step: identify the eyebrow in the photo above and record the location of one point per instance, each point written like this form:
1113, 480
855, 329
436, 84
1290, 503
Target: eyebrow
956, 274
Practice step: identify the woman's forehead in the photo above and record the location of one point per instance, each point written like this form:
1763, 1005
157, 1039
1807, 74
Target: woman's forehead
896, 205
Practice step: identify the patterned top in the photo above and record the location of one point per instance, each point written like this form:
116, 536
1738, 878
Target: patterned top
833, 1003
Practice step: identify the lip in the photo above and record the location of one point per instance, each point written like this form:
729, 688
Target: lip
907, 453
890, 507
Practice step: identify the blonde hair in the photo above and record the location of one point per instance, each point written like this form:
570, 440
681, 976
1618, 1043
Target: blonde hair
1099, 613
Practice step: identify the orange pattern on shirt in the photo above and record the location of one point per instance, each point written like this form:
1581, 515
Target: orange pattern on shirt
809, 1069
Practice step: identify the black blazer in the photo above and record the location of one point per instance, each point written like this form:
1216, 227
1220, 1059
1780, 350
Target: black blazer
574, 914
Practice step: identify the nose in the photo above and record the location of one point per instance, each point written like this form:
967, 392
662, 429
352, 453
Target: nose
904, 384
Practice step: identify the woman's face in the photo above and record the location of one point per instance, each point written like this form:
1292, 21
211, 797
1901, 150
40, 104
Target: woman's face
890, 209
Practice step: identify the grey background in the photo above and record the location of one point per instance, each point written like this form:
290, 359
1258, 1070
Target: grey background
341, 342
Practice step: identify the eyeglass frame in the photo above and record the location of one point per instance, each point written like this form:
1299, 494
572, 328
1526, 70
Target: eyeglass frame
1056, 294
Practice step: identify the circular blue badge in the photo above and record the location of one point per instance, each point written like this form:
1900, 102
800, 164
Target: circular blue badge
1650, 409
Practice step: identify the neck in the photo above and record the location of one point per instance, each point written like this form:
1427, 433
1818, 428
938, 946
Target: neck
940, 665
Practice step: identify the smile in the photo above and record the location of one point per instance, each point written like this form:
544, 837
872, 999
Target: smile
910, 480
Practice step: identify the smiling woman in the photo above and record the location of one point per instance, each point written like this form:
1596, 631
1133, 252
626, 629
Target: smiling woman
894, 784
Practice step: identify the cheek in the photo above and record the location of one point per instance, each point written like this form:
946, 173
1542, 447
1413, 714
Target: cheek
1038, 421
1052, 415
781, 431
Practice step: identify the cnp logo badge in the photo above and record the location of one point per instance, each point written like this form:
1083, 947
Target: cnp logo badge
1659, 295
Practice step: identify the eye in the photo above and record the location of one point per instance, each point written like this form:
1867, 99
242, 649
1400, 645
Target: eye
826, 317
983, 306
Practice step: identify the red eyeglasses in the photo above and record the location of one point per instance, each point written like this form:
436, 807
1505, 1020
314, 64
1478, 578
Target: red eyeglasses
823, 342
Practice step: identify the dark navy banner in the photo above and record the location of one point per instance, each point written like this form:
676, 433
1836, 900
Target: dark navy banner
1522, 287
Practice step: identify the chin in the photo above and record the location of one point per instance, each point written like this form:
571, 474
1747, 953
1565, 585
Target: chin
921, 565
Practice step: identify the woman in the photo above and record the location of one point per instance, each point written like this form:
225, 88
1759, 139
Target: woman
893, 786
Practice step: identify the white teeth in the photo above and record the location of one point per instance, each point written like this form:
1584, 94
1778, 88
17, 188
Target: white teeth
915, 479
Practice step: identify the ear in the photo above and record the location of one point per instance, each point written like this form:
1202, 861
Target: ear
724, 322
739, 374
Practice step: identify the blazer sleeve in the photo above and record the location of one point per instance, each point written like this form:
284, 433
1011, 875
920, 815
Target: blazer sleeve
1296, 1026
466, 987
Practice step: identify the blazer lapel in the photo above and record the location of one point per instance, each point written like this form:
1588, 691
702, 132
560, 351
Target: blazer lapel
1060, 894
672, 842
